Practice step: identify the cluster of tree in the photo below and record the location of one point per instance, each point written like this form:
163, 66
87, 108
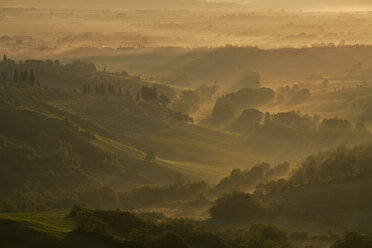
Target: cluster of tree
19, 79
290, 125
292, 95
24, 77
294, 126
136, 231
102, 90
146, 93
248, 179
333, 166
83, 75
189, 100
151, 95
249, 121
227, 106
69, 77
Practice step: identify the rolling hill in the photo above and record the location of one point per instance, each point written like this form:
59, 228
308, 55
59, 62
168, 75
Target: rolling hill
55, 158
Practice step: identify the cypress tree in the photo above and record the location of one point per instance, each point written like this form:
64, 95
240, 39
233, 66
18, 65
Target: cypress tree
21, 76
25, 76
32, 78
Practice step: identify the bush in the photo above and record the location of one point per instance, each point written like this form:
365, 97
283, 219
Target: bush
150, 157
237, 206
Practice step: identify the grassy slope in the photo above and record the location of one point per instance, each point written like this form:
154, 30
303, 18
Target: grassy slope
102, 159
36, 230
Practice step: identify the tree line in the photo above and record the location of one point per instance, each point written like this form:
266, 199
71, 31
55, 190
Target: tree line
335, 166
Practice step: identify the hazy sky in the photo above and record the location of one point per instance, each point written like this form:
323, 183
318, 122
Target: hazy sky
254, 4
335, 4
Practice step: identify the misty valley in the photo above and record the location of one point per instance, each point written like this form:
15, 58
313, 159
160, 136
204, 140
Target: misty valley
185, 124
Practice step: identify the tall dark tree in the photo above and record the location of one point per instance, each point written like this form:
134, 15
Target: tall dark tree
21, 76
5, 58
111, 90
103, 90
32, 79
15, 76
25, 75
4, 76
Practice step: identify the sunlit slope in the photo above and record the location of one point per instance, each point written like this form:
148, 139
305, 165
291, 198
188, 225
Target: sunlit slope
215, 147
160, 171
142, 125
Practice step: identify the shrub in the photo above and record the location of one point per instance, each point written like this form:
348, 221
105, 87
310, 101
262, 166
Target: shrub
237, 206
